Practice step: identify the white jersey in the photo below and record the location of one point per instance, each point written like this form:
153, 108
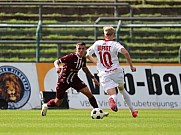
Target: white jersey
107, 55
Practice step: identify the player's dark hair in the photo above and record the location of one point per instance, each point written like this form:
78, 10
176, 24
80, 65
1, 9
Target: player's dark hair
81, 43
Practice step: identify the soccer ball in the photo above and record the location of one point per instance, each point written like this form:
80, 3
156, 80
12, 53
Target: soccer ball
97, 113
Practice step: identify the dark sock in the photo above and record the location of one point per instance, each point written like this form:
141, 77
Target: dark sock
93, 102
51, 103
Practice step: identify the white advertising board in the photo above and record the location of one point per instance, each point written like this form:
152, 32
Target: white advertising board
149, 87
19, 85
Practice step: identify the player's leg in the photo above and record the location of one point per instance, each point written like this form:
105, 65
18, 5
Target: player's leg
109, 87
80, 86
127, 99
112, 99
54, 102
91, 99
90, 96
60, 91
118, 77
51, 103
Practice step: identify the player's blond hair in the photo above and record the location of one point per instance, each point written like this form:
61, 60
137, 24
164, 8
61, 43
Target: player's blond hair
108, 30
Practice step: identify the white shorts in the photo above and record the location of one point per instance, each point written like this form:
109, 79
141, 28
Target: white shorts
112, 80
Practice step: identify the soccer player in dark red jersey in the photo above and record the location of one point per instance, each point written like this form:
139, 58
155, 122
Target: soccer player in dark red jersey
68, 77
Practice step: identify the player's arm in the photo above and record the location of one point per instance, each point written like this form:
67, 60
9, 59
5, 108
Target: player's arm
86, 70
128, 58
91, 59
90, 52
56, 64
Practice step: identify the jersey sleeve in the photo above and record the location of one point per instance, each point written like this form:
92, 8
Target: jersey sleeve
90, 50
119, 47
65, 59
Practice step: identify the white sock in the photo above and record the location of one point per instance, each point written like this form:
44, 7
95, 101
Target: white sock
127, 99
114, 97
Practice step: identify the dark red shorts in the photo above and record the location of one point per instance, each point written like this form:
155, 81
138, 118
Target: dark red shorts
62, 86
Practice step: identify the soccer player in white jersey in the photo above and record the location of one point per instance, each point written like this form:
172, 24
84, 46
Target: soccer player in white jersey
109, 71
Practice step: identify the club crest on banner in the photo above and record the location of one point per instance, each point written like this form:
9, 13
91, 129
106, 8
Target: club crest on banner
15, 88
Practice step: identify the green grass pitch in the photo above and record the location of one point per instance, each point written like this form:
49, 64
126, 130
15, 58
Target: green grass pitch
79, 122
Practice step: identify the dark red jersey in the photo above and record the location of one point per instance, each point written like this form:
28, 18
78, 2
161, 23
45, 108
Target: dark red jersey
72, 63
68, 76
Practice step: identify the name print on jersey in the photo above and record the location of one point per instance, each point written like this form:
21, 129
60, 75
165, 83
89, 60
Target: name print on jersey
103, 48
